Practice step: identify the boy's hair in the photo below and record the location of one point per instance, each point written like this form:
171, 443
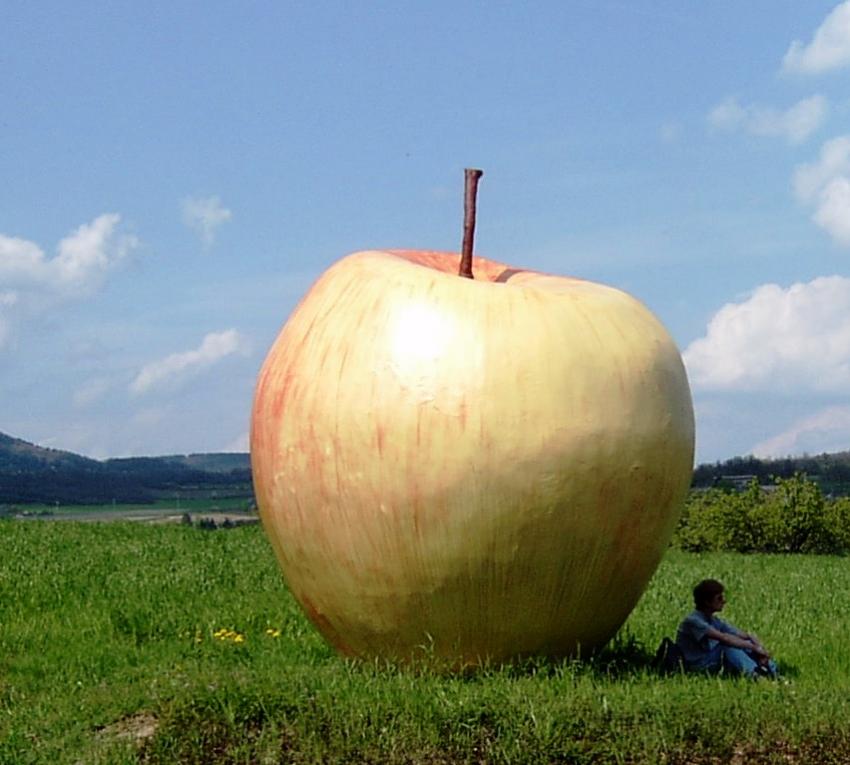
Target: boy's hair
706, 590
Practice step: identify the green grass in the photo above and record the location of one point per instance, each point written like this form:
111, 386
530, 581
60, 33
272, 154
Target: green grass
118, 643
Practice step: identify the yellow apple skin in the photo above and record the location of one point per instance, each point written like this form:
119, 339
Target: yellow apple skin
468, 470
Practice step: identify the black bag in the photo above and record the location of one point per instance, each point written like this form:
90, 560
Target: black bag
669, 658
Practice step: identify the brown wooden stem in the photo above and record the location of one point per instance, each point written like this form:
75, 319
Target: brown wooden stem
471, 178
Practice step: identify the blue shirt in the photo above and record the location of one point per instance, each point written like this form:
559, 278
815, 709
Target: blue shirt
691, 637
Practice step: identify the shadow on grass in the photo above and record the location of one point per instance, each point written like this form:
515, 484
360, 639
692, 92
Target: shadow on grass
624, 656
628, 656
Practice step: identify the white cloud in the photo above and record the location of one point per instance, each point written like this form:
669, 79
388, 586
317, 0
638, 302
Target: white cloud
825, 431
833, 213
834, 161
7, 300
239, 444
204, 215
828, 49
22, 262
31, 282
825, 185
784, 340
177, 367
795, 124
89, 253
90, 392
151, 417
80, 266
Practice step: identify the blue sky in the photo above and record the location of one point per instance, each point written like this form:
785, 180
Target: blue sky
175, 175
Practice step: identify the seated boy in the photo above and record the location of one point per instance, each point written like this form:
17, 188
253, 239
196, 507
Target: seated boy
709, 644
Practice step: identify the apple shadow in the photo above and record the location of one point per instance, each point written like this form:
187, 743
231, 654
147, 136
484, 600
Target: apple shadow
623, 657
626, 656
619, 658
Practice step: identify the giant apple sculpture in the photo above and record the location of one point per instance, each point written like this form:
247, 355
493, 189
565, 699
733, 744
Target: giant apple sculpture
468, 469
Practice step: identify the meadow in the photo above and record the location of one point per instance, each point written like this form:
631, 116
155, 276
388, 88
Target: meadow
174, 505
130, 643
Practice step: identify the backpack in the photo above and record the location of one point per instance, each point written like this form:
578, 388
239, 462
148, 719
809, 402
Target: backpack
669, 658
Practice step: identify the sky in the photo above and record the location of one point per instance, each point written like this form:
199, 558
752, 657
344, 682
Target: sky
176, 174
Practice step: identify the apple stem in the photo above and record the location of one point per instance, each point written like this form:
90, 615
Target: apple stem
471, 178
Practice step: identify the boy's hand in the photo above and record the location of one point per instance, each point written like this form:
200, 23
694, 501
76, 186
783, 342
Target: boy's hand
759, 650
756, 642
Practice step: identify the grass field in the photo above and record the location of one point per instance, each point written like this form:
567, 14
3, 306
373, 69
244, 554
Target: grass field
158, 644
175, 504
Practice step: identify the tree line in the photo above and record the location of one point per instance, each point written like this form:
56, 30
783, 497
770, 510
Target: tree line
830, 471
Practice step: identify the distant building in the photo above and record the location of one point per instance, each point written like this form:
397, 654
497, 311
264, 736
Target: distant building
743, 481
739, 482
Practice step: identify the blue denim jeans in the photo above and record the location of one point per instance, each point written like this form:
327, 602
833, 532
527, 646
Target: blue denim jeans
734, 661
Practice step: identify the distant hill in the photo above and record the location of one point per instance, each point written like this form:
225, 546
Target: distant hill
217, 462
31, 473
16, 454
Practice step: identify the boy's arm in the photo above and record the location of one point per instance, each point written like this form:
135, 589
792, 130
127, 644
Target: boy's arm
755, 641
726, 627
745, 641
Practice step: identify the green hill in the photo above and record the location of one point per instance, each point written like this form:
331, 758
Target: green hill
31, 473
17, 455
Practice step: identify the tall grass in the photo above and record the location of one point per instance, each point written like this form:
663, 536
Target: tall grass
128, 643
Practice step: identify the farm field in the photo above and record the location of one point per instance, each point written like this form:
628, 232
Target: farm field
161, 510
127, 642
